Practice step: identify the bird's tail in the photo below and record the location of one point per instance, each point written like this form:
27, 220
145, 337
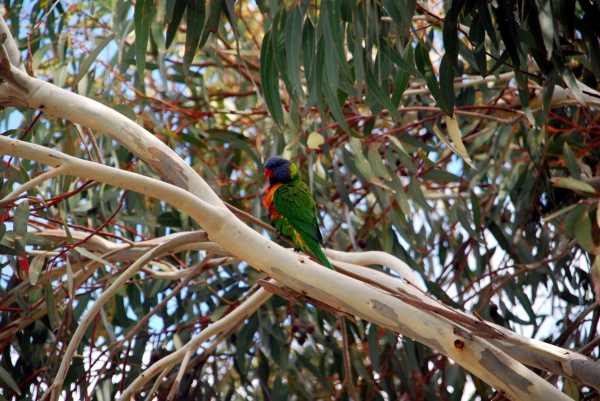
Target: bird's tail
319, 254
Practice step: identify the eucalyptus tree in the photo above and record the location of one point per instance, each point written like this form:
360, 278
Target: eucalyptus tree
451, 148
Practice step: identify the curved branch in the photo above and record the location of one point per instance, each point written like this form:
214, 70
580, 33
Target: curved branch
11, 197
14, 55
375, 258
233, 319
102, 299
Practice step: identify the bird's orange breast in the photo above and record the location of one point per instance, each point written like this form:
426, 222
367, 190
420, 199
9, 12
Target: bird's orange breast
268, 201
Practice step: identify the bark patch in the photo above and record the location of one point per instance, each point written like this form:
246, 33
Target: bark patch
168, 169
384, 310
498, 368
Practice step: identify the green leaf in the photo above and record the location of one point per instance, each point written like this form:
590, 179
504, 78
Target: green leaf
400, 12
383, 98
524, 96
402, 78
574, 185
21, 220
400, 194
234, 139
293, 37
567, 75
462, 217
435, 289
447, 83
573, 218
126, 111
453, 131
35, 267
583, 232
501, 60
559, 212
307, 364
547, 23
21, 302
244, 339
70, 285
51, 307
334, 106
89, 60
269, 77
376, 162
332, 28
401, 63
373, 342
570, 161
417, 194
308, 53
486, 20
218, 313
92, 256
570, 387
278, 42
7, 378
477, 36
355, 33
476, 208
142, 18
6, 250
425, 67
214, 17
362, 164
177, 11
195, 18
450, 32
404, 157
440, 176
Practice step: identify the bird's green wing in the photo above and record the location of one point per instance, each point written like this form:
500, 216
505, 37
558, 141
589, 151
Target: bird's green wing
297, 204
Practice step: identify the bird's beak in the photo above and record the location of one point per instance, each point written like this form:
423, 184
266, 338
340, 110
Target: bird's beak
269, 173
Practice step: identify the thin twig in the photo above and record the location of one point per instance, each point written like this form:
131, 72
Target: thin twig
347, 365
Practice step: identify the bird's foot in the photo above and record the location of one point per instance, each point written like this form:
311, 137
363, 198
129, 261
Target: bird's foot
278, 236
297, 249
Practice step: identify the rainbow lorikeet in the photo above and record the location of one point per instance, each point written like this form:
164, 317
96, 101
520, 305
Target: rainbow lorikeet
292, 208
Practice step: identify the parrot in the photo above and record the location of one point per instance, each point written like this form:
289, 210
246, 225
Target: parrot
292, 208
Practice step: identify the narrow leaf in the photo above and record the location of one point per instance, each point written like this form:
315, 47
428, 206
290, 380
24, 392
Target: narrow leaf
142, 18
570, 161
92, 256
486, 20
332, 27
477, 36
7, 378
452, 124
177, 14
269, 77
425, 67
21, 302
51, 307
87, 62
70, 286
37, 263
196, 16
402, 78
293, 36
379, 94
447, 83
573, 185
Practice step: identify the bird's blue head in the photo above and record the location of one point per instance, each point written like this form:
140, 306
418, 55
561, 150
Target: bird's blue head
280, 170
